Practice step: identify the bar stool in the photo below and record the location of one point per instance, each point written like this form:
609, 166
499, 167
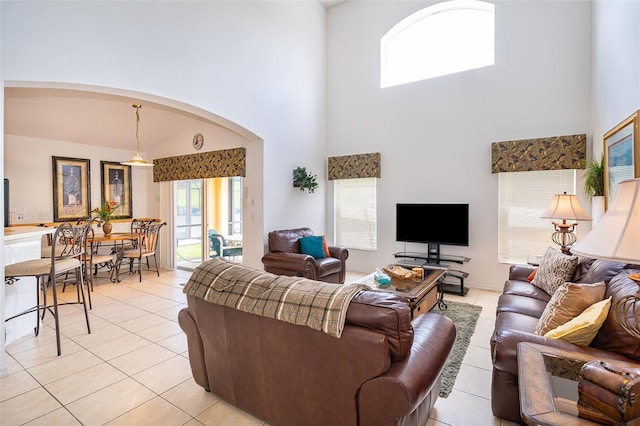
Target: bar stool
68, 247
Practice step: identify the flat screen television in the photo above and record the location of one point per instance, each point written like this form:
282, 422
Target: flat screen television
446, 224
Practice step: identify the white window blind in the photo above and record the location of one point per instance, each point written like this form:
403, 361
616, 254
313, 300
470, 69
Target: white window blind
355, 213
522, 198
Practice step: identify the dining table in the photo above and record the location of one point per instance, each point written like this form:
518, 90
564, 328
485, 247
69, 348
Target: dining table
118, 239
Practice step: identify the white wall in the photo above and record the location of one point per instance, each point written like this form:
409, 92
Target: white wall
435, 135
615, 86
259, 64
28, 167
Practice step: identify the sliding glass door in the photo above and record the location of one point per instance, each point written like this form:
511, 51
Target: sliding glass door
208, 220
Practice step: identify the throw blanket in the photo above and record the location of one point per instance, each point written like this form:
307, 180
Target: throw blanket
300, 301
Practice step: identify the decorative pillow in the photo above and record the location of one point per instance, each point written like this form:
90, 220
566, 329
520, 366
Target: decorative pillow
532, 275
568, 301
312, 245
555, 269
601, 270
582, 329
325, 246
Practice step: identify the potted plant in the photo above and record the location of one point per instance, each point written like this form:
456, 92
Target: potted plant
304, 180
594, 187
105, 213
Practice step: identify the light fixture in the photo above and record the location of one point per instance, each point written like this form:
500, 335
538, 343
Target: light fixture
616, 237
565, 207
137, 160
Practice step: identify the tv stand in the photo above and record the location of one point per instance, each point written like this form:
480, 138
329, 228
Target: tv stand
433, 258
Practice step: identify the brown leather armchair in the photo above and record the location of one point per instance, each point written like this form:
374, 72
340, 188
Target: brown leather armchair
284, 258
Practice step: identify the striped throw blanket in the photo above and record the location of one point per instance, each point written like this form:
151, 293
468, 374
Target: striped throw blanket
300, 301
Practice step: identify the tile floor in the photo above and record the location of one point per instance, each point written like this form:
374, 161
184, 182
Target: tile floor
133, 369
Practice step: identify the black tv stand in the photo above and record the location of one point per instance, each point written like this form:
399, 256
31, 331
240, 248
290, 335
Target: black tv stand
433, 258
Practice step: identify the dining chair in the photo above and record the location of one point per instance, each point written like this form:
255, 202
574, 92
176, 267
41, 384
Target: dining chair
146, 247
94, 259
67, 246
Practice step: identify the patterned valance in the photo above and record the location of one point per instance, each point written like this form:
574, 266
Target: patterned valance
553, 153
354, 166
212, 164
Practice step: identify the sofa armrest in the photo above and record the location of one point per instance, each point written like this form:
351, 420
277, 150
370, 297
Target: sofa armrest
339, 253
520, 272
289, 261
196, 349
399, 391
505, 347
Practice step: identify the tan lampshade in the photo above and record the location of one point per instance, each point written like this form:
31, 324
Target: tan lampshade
567, 207
617, 235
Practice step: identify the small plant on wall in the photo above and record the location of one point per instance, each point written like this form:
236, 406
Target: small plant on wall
304, 180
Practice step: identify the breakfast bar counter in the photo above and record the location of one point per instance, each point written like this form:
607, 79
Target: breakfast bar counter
21, 243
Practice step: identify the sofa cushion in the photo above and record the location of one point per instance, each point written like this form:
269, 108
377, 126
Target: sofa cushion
582, 329
521, 305
584, 264
612, 336
601, 270
555, 269
312, 245
568, 302
523, 288
328, 266
384, 313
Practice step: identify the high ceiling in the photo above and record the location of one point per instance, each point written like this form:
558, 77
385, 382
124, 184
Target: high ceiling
92, 118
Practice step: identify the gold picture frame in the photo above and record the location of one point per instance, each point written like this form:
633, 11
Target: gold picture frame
71, 188
116, 186
621, 155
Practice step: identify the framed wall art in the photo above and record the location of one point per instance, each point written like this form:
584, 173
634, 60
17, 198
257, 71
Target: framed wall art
71, 188
116, 186
621, 155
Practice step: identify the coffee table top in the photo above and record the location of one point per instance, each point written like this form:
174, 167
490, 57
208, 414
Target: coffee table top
418, 287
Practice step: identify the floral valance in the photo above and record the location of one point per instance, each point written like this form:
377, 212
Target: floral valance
354, 166
212, 164
552, 153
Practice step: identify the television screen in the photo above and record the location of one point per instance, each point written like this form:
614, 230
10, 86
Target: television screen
446, 224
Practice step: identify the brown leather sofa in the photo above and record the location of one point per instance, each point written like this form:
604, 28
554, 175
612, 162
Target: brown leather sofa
521, 305
383, 370
284, 258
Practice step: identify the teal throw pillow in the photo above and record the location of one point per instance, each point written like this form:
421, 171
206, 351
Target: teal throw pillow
312, 245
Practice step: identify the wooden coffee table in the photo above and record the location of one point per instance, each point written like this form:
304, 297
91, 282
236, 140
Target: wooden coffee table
422, 294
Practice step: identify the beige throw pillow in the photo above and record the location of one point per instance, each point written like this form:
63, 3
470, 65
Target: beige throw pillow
583, 329
568, 301
555, 269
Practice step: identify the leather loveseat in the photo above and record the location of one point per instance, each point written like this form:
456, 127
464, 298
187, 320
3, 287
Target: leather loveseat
382, 370
519, 309
284, 258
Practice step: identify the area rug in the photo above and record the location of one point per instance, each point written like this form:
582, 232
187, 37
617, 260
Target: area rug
464, 316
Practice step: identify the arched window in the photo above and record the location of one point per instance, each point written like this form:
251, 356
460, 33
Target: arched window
442, 39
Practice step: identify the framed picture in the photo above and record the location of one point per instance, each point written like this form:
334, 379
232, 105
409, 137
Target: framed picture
621, 155
71, 188
116, 186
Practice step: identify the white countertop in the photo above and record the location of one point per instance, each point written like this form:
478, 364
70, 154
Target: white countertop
22, 233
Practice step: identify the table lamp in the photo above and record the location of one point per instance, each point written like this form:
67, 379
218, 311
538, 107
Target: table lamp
616, 237
565, 207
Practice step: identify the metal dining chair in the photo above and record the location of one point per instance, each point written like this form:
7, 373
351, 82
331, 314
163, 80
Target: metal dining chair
146, 247
68, 247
